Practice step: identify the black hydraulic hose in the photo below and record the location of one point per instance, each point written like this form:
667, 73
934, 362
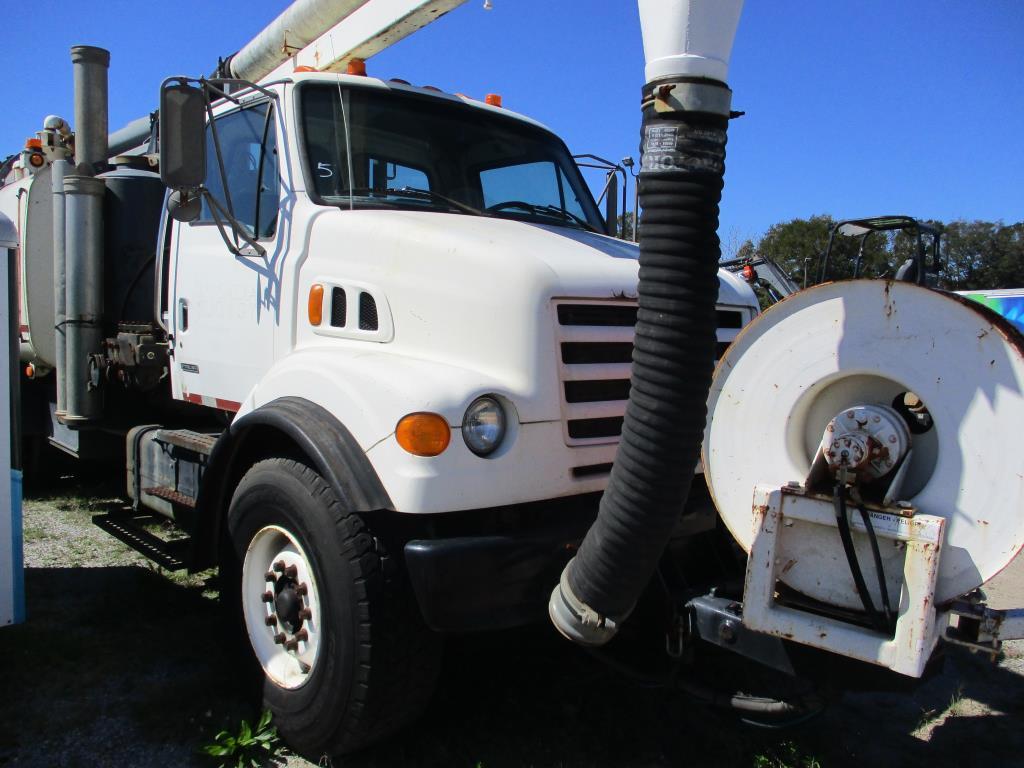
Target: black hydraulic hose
681, 181
876, 554
843, 524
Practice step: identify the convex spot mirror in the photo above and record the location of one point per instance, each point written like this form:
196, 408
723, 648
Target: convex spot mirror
182, 134
184, 206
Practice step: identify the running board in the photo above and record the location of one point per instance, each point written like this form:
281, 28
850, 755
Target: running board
170, 555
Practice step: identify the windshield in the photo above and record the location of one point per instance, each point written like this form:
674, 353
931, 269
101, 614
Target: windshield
413, 152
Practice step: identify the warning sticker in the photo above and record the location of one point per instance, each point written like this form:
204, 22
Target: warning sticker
661, 138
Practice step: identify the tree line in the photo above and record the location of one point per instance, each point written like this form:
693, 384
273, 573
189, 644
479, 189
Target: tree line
975, 255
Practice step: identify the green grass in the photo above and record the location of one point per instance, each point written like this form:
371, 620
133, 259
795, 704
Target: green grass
788, 754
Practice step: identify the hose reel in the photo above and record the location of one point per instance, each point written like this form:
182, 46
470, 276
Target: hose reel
906, 399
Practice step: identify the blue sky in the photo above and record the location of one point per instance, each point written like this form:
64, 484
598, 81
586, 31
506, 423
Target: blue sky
853, 108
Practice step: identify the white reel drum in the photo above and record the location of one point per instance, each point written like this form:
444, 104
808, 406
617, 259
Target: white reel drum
822, 352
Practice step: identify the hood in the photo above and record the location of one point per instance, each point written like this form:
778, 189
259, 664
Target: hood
477, 293
556, 261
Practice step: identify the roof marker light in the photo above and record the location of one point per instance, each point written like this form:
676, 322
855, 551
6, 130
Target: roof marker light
356, 67
494, 99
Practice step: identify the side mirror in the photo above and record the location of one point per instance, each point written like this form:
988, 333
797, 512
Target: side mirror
182, 134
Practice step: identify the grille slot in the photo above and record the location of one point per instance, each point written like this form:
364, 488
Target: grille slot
729, 318
581, 429
596, 391
588, 352
595, 346
339, 307
592, 470
596, 314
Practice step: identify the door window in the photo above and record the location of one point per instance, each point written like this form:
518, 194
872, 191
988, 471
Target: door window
248, 186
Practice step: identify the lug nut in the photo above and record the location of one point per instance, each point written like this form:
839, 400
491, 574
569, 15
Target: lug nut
270, 620
279, 638
302, 635
305, 614
268, 597
302, 589
270, 576
291, 645
279, 566
291, 572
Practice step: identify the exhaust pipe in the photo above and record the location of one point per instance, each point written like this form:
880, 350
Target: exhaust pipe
686, 107
83, 202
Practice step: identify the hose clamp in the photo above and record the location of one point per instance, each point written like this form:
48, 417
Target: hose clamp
576, 620
703, 97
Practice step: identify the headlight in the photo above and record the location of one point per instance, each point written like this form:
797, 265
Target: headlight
483, 426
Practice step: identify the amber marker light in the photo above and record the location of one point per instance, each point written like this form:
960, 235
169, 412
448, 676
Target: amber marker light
494, 99
316, 304
423, 434
356, 67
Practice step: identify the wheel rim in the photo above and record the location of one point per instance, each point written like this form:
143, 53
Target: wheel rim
281, 606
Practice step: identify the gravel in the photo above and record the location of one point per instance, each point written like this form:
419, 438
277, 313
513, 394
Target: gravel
124, 664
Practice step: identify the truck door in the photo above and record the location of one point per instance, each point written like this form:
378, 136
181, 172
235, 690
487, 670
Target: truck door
224, 305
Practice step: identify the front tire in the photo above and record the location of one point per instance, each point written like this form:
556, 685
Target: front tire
330, 617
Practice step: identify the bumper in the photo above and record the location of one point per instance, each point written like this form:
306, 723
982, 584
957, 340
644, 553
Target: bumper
469, 583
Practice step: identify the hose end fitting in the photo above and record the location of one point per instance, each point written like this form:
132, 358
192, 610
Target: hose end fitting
577, 621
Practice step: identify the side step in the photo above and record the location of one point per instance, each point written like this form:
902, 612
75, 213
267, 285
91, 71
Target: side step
165, 469
197, 442
171, 555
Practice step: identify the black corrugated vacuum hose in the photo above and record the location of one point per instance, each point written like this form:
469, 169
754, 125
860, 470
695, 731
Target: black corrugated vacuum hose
681, 178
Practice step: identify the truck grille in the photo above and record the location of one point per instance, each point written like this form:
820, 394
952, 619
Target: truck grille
595, 347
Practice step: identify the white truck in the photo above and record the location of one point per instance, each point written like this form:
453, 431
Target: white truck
370, 346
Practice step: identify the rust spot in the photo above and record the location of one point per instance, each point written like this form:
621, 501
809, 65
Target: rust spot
823, 635
787, 567
982, 522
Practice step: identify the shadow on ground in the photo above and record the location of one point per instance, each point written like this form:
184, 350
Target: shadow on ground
121, 666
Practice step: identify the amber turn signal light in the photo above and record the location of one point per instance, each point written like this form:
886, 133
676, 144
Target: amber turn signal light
316, 304
423, 434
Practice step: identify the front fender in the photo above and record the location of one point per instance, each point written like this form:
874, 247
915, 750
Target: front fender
369, 391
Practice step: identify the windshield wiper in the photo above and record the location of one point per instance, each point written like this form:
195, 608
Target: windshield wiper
544, 210
427, 194
568, 216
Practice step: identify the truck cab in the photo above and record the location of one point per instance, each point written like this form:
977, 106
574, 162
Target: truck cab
421, 251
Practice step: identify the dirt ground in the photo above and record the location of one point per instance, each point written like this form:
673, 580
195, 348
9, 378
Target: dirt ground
122, 664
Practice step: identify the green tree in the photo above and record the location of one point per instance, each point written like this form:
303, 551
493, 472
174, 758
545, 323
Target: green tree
976, 254
625, 223
983, 255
